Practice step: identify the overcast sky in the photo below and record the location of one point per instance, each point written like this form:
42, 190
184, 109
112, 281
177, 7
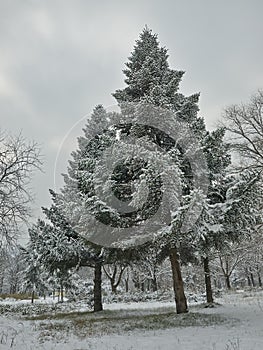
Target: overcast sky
59, 59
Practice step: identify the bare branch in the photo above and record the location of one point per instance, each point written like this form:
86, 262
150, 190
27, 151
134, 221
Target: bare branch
18, 160
244, 124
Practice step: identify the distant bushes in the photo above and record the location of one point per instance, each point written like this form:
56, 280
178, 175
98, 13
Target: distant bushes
17, 296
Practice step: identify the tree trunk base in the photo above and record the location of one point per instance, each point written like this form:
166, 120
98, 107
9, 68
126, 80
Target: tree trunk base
97, 288
180, 299
209, 305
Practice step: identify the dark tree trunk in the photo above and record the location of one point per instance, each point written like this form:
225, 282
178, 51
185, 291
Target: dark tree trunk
154, 284
208, 285
259, 280
148, 284
32, 296
136, 280
97, 288
252, 279
178, 285
227, 278
1, 284
61, 293
259, 277
248, 281
136, 284
126, 285
113, 287
126, 282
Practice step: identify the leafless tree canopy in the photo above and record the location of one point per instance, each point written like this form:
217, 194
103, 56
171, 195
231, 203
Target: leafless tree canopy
245, 124
18, 159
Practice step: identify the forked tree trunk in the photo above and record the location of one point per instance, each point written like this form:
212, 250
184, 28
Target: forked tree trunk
114, 277
178, 285
208, 285
226, 271
113, 288
97, 288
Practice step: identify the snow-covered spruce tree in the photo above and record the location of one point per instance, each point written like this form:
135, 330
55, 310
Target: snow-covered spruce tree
41, 255
81, 253
77, 252
242, 210
79, 202
58, 248
243, 205
218, 160
150, 80
34, 274
230, 211
242, 220
239, 216
80, 180
206, 232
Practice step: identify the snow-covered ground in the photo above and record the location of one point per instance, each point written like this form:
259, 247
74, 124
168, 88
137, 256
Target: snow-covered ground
235, 325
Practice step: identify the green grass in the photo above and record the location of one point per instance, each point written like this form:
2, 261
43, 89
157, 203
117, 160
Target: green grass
57, 323
87, 324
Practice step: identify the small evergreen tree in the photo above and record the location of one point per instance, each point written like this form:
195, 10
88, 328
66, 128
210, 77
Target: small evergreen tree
34, 274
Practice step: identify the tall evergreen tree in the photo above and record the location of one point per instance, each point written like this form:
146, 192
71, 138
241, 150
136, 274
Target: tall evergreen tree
218, 160
79, 201
149, 79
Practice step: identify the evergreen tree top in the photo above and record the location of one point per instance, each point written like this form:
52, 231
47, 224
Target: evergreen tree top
148, 74
146, 46
149, 79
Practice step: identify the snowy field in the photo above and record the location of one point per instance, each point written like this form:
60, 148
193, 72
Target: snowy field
235, 324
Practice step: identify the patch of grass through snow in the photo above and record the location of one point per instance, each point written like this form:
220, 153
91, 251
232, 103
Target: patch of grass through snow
88, 325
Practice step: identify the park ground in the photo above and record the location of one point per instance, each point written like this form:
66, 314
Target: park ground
235, 323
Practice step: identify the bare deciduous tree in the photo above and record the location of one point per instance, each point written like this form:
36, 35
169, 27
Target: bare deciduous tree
245, 125
114, 273
18, 159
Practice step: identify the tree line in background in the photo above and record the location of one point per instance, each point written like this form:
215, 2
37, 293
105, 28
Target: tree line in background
223, 246
239, 266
